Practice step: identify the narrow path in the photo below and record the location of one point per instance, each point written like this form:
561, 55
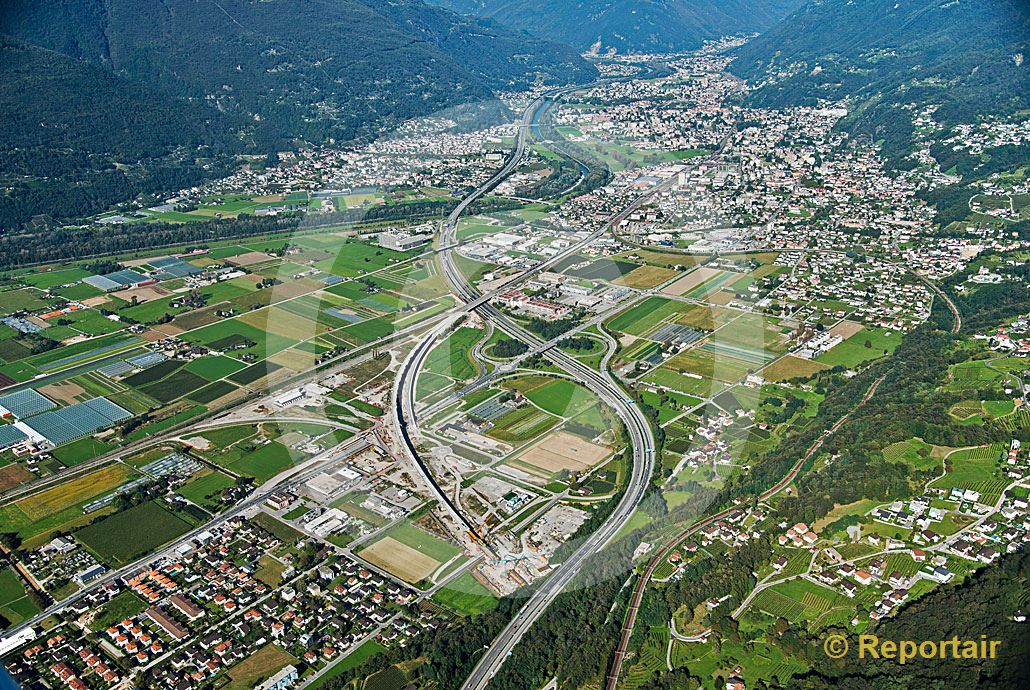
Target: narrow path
638, 591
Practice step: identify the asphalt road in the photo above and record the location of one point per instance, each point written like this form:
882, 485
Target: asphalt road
615, 669
601, 383
281, 482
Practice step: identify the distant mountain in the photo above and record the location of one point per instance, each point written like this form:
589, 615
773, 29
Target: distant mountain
251, 75
630, 25
308, 68
968, 57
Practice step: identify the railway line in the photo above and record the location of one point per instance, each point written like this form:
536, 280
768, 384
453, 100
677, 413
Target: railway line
615, 669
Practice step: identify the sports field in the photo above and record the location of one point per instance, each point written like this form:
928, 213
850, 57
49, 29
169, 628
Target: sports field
409, 553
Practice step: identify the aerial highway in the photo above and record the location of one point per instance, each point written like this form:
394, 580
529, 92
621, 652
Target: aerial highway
640, 434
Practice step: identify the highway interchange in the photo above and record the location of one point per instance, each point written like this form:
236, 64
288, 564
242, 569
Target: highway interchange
601, 383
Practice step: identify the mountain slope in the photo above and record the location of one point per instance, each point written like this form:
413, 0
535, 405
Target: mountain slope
631, 25
78, 138
95, 83
966, 57
312, 68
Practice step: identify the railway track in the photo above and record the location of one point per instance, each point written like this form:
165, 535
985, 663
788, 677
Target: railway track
615, 670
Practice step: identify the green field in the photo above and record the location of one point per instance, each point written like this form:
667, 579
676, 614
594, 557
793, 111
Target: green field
129, 534
453, 356
466, 595
263, 463
270, 570
205, 489
351, 661
15, 605
49, 279
353, 258
277, 528
868, 344
26, 299
124, 605
558, 396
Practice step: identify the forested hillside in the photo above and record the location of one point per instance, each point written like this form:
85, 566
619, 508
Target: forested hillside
965, 57
631, 25
253, 76
77, 137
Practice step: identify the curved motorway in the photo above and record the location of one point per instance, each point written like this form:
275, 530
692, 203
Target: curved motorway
641, 437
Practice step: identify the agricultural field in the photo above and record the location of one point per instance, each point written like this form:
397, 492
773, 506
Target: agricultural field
522, 424
684, 382
214, 368
917, 454
790, 367
710, 365
129, 534
645, 317
645, 277
561, 451
800, 599
976, 469
48, 510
